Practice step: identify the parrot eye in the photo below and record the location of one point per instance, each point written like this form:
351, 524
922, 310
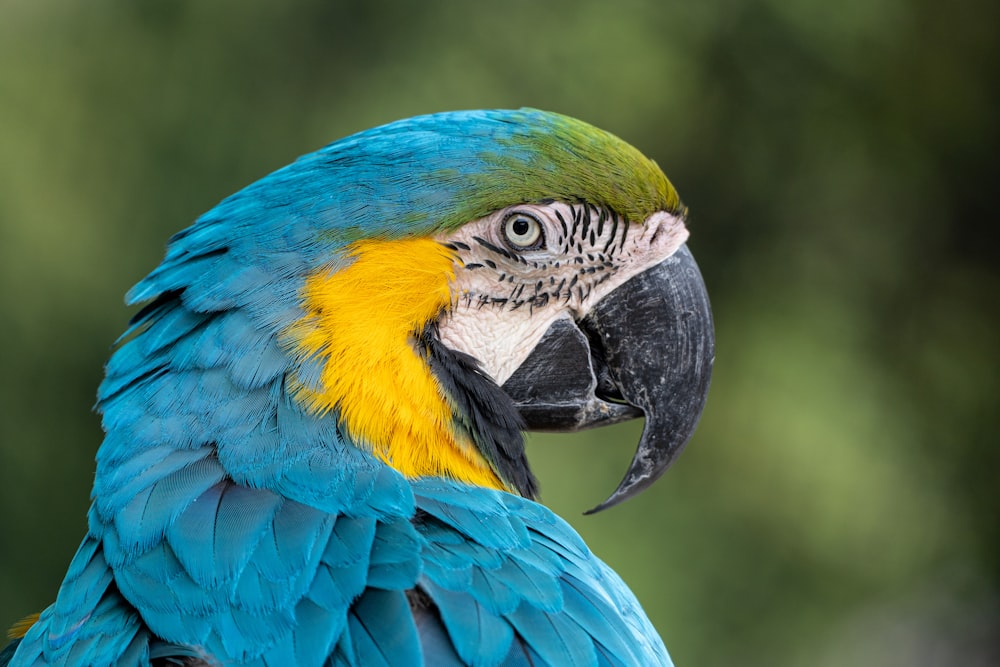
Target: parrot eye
523, 231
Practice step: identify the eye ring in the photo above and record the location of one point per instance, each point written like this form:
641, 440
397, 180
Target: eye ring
522, 231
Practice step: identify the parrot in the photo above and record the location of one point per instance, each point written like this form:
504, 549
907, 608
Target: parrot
314, 424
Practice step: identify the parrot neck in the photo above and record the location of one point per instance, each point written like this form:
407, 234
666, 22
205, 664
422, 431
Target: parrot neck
378, 379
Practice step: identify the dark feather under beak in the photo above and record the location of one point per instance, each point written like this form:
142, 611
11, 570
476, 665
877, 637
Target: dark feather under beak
646, 349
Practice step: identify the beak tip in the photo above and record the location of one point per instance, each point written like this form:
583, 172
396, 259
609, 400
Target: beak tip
610, 502
663, 368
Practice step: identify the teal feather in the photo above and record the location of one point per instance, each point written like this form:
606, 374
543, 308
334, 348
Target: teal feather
479, 636
383, 630
395, 562
556, 637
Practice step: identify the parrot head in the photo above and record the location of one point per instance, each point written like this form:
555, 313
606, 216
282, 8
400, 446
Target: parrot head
433, 288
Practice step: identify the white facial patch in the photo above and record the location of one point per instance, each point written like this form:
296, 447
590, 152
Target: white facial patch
508, 292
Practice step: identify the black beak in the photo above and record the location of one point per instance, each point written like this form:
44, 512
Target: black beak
646, 349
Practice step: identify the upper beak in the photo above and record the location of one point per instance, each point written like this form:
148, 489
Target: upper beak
646, 349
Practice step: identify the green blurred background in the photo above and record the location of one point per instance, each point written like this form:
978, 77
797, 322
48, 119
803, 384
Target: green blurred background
838, 504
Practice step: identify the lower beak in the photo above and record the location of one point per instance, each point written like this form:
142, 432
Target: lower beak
646, 349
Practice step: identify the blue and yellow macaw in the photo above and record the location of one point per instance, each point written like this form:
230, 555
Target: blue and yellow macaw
314, 427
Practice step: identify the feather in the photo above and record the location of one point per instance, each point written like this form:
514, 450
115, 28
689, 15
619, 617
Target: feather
147, 517
480, 637
556, 637
435, 643
382, 629
395, 562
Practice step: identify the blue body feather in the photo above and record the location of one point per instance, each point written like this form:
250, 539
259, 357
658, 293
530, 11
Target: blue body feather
229, 522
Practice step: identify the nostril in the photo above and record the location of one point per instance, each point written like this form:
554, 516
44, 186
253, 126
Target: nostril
665, 232
657, 228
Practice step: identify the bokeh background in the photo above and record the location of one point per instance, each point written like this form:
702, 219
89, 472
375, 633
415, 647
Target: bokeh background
839, 504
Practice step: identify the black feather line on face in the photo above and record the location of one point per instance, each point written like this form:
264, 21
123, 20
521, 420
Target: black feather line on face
483, 411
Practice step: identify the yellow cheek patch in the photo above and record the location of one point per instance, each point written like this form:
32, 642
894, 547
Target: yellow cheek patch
361, 325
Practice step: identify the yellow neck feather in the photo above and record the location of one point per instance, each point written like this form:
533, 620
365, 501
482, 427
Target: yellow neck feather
21, 628
361, 323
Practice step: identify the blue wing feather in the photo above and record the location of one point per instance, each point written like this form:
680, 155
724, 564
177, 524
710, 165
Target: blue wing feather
556, 638
561, 604
395, 556
478, 636
382, 629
